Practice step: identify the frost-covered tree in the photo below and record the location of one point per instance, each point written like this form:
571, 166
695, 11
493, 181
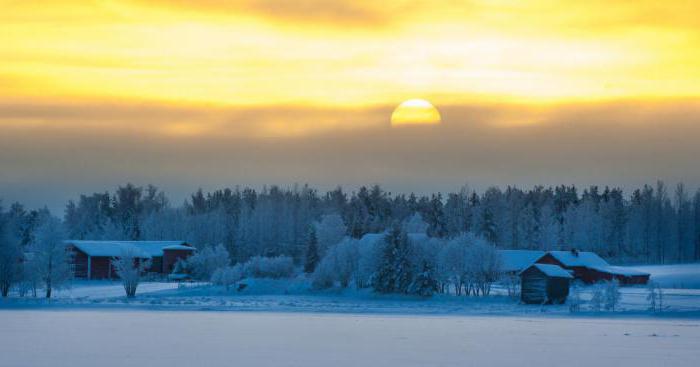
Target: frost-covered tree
227, 276
49, 256
329, 231
130, 266
206, 260
312, 257
424, 284
597, 298
483, 266
612, 295
269, 267
415, 224
395, 272
452, 263
340, 265
575, 301
653, 297
10, 257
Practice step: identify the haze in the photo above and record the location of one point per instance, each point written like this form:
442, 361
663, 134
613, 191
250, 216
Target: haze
95, 94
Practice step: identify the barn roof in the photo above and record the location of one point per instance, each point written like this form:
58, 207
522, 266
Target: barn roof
517, 260
580, 258
619, 270
554, 271
145, 249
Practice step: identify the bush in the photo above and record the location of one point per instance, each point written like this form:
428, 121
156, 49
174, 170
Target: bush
269, 267
207, 260
339, 265
227, 276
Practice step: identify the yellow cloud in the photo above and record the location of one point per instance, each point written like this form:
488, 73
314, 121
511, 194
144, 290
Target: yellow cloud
349, 53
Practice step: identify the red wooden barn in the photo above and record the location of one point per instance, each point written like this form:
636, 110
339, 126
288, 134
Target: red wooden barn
93, 259
591, 268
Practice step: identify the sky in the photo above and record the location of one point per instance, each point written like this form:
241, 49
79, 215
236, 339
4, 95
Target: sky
213, 93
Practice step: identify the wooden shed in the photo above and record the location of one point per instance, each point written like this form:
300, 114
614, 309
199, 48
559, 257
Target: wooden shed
544, 284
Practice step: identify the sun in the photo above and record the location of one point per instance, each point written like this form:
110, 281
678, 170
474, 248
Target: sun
415, 112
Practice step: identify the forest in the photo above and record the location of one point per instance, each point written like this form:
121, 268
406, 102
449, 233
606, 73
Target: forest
301, 226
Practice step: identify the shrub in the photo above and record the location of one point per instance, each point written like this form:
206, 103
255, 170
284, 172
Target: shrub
227, 276
269, 267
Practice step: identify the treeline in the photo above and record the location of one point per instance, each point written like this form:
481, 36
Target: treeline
651, 224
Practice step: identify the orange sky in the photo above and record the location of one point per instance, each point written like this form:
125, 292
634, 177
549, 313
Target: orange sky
76, 76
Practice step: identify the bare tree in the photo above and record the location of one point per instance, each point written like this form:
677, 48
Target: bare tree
50, 258
129, 267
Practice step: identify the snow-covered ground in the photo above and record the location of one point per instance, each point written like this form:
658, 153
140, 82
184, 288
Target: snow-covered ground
295, 295
674, 276
30, 338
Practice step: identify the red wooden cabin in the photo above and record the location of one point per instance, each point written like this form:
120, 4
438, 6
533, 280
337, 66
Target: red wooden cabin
93, 259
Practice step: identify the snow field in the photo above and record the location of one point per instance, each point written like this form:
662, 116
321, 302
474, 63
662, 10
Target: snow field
163, 338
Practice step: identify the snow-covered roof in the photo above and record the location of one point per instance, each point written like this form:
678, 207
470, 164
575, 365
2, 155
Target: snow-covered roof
517, 260
619, 270
144, 249
580, 258
554, 271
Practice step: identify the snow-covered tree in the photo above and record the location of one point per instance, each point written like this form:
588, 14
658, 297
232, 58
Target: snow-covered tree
227, 276
452, 263
269, 267
424, 284
340, 264
575, 301
312, 257
598, 298
395, 272
415, 224
329, 231
652, 297
49, 256
612, 295
130, 266
483, 266
206, 260
10, 257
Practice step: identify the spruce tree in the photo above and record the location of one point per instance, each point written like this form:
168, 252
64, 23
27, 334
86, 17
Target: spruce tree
395, 273
425, 284
312, 258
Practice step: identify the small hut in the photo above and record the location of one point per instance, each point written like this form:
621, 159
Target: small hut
544, 284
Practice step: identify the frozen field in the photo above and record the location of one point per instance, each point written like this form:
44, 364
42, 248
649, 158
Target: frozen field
162, 338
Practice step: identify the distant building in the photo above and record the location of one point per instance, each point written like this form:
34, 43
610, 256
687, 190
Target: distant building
544, 283
93, 259
591, 268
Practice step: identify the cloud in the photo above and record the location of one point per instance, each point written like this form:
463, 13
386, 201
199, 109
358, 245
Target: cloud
338, 12
54, 151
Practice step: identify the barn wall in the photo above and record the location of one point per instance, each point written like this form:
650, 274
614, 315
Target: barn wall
170, 257
557, 290
533, 286
79, 263
101, 268
156, 265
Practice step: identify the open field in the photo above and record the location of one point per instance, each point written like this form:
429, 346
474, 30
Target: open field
162, 338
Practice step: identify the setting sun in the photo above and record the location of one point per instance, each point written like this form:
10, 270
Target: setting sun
415, 112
